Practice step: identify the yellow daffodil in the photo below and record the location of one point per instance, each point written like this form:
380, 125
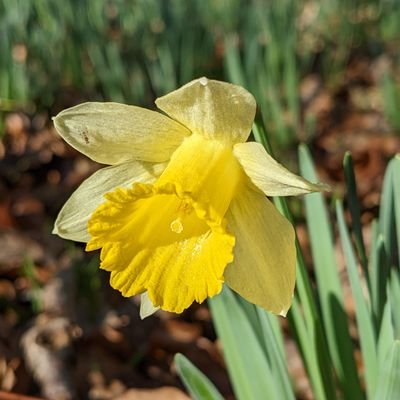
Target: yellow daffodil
182, 207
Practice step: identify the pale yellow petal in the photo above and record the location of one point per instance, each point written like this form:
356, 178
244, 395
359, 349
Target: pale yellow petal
270, 176
146, 306
71, 222
111, 133
212, 108
263, 271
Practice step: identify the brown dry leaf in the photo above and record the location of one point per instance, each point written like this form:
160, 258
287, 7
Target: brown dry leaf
100, 391
182, 331
163, 393
27, 205
2, 150
7, 290
6, 219
16, 130
7, 373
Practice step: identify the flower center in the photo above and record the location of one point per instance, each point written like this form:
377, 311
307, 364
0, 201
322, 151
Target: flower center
184, 210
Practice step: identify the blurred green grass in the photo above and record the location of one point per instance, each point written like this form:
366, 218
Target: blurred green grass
135, 51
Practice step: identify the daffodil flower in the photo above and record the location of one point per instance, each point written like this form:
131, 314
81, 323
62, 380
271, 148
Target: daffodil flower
182, 208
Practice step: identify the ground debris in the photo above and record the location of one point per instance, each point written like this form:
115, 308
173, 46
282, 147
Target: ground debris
47, 347
170, 393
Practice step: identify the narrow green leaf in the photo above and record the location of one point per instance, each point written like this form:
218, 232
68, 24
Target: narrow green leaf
259, 134
314, 353
354, 207
276, 329
391, 98
283, 134
197, 384
291, 82
248, 367
394, 295
232, 60
250, 311
379, 274
363, 316
386, 335
328, 285
276, 356
388, 380
387, 215
395, 164
269, 335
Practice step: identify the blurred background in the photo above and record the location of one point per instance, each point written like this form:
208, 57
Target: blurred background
323, 72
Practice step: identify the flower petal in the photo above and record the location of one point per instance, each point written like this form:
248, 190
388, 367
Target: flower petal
71, 222
111, 133
146, 306
214, 109
263, 271
270, 176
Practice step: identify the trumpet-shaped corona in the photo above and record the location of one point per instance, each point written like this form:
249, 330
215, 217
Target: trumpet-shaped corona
169, 238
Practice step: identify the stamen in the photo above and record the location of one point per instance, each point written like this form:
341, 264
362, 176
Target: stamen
176, 225
185, 208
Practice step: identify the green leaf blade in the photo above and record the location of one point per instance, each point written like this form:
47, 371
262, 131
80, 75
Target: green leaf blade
248, 367
388, 381
198, 385
328, 285
363, 316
